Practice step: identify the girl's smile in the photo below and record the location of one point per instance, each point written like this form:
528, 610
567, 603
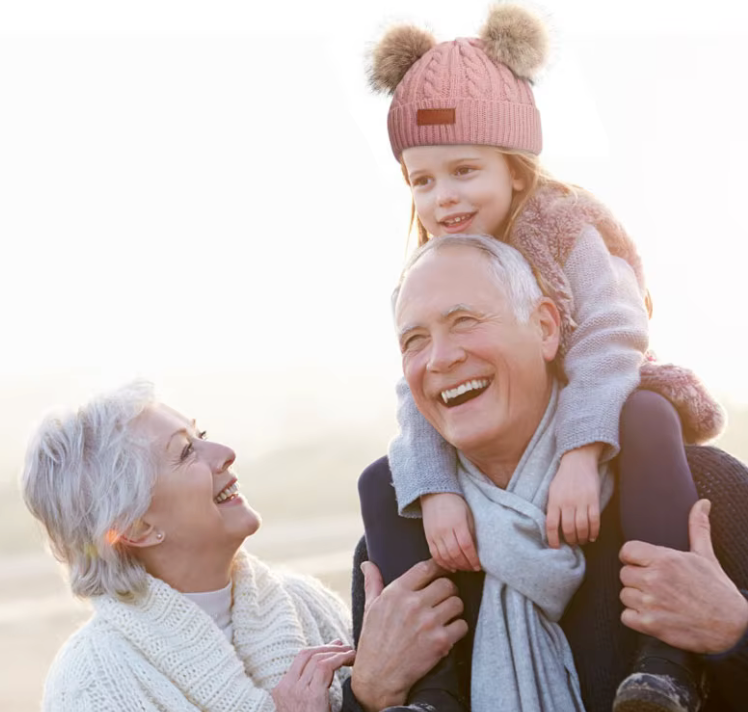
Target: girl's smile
461, 189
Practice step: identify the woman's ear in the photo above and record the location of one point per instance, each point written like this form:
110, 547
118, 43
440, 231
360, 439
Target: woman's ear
549, 321
141, 535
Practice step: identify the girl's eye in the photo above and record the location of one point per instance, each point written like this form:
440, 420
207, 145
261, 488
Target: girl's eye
420, 182
464, 170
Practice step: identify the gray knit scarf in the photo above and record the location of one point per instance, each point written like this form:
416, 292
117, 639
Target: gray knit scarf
521, 658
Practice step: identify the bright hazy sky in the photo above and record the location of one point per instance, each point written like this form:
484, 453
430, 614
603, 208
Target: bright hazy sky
202, 193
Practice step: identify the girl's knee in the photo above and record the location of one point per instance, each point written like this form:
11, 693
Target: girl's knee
375, 485
645, 409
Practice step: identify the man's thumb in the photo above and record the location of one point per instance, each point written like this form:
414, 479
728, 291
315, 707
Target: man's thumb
373, 583
699, 529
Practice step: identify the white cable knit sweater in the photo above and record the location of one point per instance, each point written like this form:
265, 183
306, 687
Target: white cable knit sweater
164, 653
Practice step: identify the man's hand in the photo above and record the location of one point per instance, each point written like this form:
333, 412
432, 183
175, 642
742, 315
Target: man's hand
574, 498
408, 627
450, 531
684, 598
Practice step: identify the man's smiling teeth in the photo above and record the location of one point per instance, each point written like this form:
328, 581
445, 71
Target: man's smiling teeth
227, 493
453, 393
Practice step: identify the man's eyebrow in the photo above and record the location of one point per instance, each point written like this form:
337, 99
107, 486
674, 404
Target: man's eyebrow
460, 308
406, 329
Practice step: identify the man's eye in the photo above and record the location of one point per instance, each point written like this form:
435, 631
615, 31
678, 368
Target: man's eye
186, 451
465, 320
412, 342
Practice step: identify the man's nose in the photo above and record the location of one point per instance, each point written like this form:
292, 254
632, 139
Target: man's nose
445, 353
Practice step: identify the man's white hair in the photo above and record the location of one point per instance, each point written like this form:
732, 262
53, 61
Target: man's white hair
512, 271
88, 478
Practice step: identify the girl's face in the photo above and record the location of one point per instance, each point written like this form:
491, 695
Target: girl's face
461, 189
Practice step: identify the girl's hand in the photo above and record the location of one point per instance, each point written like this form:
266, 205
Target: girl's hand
574, 498
450, 531
305, 687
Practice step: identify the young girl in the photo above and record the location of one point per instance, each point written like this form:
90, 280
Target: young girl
463, 125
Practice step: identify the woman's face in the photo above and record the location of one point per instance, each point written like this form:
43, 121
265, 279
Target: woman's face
195, 506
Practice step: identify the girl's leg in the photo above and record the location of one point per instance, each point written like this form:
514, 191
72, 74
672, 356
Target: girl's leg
394, 543
655, 483
657, 492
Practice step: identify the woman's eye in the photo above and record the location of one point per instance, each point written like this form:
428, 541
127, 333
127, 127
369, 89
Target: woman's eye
186, 451
188, 448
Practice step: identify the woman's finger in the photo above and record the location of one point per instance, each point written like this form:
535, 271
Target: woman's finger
306, 655
321, 667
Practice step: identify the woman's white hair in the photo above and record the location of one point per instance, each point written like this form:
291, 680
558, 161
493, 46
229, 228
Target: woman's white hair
512, 271
88, 478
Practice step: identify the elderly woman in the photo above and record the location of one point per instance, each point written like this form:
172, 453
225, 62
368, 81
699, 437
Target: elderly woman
146, 513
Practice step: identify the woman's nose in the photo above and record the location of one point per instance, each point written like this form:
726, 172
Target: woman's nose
225, 457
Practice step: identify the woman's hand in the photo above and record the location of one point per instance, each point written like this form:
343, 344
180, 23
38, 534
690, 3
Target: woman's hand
574, 498
305, 687
450, 531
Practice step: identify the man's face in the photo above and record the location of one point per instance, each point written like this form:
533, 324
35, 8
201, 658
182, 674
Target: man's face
477, 375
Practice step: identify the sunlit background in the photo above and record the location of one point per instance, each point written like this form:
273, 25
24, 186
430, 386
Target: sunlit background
203, 194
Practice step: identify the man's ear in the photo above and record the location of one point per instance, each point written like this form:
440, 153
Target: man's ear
141, 535
549, 321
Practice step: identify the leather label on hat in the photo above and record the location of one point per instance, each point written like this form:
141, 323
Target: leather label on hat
435, 117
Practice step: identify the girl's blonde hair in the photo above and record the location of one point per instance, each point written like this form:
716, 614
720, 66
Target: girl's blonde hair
525, 166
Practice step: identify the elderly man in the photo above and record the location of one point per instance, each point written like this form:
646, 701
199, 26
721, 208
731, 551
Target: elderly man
461, 312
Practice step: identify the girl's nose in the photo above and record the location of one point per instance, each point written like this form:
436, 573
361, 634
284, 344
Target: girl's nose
446, 197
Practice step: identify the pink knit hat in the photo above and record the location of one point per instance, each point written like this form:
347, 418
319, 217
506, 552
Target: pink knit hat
468, 91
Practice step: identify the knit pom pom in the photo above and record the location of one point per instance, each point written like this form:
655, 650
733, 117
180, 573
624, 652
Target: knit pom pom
399, 49
516, 37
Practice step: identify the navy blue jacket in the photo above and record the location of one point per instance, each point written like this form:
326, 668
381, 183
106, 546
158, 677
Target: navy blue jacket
603, 647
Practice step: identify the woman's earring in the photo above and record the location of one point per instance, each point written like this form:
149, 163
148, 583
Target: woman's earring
160, 536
